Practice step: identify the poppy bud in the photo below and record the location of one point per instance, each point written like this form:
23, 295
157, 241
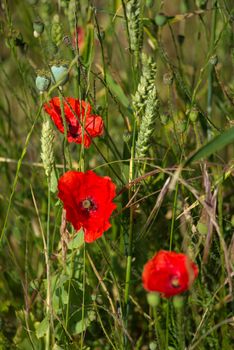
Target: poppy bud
149, 3
178, 301
59, 74
160, 19
38, 28
153, 299
193, 115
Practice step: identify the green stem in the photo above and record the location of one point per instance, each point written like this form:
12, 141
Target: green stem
83, 301
170, 248
18, 171
130, 237
157, 328
47, 257
211, 67
65, 143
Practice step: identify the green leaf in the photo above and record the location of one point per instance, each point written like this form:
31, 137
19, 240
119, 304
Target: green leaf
42, 328
89, 45
81, 325
117, 90
213, 146
77, 241
53, 182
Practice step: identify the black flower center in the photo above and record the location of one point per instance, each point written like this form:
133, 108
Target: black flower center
73, 129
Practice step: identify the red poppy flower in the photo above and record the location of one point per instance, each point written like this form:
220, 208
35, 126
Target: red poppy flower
78, 36
169, 273
88, 200
76, 113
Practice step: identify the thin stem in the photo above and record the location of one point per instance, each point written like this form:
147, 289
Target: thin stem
170, 248
130, 237
47, 254
157, 328
19, 163
83, 301
211, 67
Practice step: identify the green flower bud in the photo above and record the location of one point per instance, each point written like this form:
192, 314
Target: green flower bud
193, 115
149, 3
202, 228
38, 27
153, 299
178, 301
160, 19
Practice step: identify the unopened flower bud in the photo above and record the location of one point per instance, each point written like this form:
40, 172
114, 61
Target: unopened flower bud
193, 114
153, 299
38, 27
160, 19
178, 301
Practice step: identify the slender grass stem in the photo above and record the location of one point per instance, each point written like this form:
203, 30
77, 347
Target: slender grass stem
19, 163
47, 256
211, 67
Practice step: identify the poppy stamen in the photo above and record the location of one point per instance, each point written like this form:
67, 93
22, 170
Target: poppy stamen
175, 282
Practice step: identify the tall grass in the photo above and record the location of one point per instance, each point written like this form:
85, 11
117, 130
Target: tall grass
168, 147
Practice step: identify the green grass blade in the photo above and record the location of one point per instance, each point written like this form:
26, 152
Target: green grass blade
116, 90
212, 146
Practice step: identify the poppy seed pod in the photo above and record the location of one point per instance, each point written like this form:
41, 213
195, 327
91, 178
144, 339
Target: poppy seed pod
59, 74
42, 82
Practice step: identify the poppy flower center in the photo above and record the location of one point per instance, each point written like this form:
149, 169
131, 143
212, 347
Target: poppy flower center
175, 282
73, 129
88, 205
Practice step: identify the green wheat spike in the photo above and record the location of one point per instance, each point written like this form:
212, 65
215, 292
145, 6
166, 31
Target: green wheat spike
146, 84
147, 124
47, 142
133, 11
